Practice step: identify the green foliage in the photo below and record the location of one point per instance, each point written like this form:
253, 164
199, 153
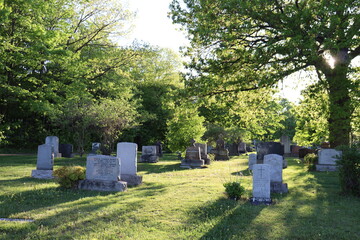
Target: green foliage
311, 160
69, 176
234, 190
184, 125
349, 169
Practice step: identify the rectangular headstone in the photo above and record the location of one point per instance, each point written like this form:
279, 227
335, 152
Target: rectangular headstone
328, 156
95, 146
264, 148
276, 166
45, 157
102, 167
53, 141
66, 150
261, 181
149, 150
252, 160
285, 140
127, 152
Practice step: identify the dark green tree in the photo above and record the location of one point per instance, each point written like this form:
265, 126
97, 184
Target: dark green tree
254, 44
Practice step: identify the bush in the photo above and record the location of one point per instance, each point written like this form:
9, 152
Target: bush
310, 160
234, 190
349, 170
69, 176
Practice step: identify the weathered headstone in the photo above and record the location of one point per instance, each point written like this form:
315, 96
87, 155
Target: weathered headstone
203, 152
159, 148
221, 153
261, 184
127, 152
149, 154
252, 160
327, 160
192, 157
264, 148
45, 162
53, 141
242, 147
103, 173
276, 168
234, 149
66, 150
95, 147
285, 140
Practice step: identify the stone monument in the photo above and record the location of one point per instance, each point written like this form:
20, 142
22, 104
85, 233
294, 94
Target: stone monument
261, 184
203, 152
221, 153
127, 152
192, 157
66, 150
252, 160
53, 141
327, 160
103, 173
159, 148
95, 147
264, 148
149, 154
275, 162
285, 140
45, 162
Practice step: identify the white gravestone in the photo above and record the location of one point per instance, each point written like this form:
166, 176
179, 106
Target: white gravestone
261, 182
276, 169
252, 160
45, 162
54, 141
327, 160
103, 174
127, 152
285, 140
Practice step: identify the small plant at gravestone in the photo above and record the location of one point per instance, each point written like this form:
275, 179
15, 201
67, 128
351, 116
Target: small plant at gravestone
234, 190
310, 160
69, 176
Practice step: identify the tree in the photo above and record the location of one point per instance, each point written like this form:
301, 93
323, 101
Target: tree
254, 44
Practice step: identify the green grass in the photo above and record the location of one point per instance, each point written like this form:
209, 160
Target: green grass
175, 203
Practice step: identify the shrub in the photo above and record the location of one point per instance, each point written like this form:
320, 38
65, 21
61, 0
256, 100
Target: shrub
69, 176
234, 190
310, 160
349, 170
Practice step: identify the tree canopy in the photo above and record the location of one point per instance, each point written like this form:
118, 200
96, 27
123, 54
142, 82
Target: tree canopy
240, 45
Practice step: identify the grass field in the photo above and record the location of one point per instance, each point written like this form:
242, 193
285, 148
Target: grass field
175, 203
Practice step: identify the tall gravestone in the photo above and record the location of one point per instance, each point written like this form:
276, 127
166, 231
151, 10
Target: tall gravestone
203, 152
327, 160
45, 162
275, 162
261, 184
159, 148
53, 141
192, 157
103, 173
285, 141
252, 160
242, 147
149, 154
127, 152
265, 148
221, 152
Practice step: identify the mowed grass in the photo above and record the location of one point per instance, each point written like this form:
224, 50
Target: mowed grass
175, 203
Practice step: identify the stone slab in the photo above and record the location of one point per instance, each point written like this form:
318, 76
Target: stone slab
132, 180
252, 160
42, 174
100, 185
276, 166
278, 187
261, 181
127, 152
265, 148
45, 157
326, 168
53, 141
102, 167
328, 156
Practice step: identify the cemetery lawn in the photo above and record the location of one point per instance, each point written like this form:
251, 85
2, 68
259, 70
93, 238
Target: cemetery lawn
175, 203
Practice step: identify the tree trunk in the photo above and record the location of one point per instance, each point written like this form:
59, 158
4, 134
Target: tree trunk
340, 109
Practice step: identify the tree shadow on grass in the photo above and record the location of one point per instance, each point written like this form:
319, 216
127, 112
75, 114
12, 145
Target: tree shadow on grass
225, 218
159, 167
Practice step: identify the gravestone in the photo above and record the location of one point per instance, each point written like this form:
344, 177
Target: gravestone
192, 157
261, 184
327, 160
285, 140
275, 162
221, 153
252, 160
149, 154
159, 148
203, 152
103, 173
95, 147
127, 152
45, 162
264, 148
53, 141
234, 149
242, 147
66, 150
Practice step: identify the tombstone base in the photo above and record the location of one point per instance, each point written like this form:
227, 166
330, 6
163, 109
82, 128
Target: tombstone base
326, 168
42, 174
222, 157
101, 185
258, 201
149, 158
132, 180
278, 187
189, 163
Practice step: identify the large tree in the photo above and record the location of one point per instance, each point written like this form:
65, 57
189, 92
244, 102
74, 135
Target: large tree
254, 44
